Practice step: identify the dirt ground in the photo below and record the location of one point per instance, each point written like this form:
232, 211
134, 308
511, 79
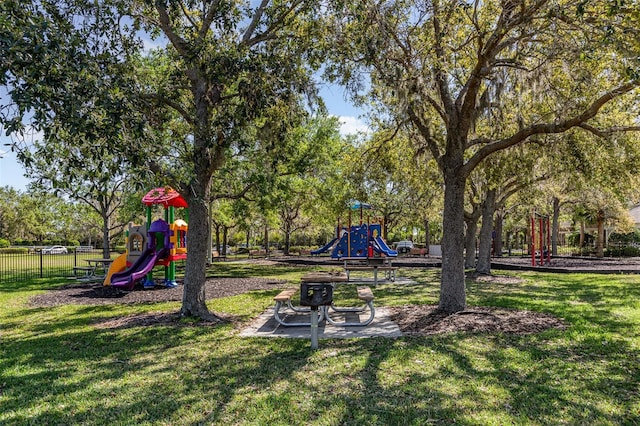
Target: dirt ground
412, 320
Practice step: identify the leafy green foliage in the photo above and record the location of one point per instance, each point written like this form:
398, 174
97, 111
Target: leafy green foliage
630, 237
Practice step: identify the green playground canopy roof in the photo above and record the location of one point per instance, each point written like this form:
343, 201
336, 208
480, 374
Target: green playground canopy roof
357, 205
168, 197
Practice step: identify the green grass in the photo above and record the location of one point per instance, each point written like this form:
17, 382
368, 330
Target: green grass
58, 367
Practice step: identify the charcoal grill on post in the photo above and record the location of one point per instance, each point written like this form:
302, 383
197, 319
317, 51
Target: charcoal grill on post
315, 295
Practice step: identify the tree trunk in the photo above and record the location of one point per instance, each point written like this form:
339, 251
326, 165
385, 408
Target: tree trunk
193, 299
427, 235
106, 224
555, 226
452, 284
266, 240
486, 230
209, 237
470, 243
471, 221
287, 239
218, 239
498, 247
385, 228
600, 242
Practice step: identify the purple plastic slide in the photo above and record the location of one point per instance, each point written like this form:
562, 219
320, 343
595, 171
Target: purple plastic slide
145, 263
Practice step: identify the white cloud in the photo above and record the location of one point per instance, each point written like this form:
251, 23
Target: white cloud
352, 125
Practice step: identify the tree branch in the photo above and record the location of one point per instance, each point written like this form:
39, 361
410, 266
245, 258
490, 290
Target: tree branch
608, 132
426, 134
254, 21
269, 33
165, 24
440, 76
172, 104
549, 128
185, 12
208, 19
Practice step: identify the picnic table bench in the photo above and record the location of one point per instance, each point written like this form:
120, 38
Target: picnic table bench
90, 272
84, 271
283, 302
257, 253
216, 255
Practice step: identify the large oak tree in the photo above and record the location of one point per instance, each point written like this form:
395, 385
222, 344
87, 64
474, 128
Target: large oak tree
442, 66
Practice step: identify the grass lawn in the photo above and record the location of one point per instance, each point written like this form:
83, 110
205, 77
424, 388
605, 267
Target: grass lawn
57, 366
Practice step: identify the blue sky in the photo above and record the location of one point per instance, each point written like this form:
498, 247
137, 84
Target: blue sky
12, 173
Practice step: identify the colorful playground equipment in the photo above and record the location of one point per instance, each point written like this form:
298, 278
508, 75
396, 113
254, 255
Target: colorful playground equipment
540, 240
363, 240
161, 242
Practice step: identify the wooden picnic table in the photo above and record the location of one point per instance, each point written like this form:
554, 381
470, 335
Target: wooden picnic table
102, 264
374, 264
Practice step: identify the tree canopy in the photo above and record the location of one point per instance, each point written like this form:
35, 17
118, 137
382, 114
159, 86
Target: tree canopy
443, 67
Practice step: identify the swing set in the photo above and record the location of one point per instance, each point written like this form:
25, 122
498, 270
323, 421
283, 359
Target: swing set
540, 239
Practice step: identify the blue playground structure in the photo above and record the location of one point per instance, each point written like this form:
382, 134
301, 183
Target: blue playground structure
364, 240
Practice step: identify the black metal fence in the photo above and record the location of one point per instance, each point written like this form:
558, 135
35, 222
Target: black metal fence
30, 264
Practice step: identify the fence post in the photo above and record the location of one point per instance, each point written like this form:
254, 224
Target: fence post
41, 265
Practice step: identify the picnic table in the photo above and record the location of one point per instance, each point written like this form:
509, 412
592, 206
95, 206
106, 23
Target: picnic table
316, 295
375, 264
94, 266
322, 282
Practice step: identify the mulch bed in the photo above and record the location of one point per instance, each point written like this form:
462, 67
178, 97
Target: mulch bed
86, 294
421, 320
412, 319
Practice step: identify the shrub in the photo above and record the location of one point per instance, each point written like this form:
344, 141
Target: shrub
4, 243
629, 238
625, 251
14, 250
574, 239
300, 249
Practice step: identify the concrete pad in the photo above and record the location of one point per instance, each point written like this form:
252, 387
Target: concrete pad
381, 326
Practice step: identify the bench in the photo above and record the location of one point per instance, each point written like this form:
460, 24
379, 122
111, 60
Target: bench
257, 253
418, 252
390, 271
215, 255
283, 301
87, 271
366, 295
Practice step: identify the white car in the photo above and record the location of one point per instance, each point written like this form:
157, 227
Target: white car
403, 246
54, 250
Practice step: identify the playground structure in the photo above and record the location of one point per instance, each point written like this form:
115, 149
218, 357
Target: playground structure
158, 243
540, 239
363, 240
